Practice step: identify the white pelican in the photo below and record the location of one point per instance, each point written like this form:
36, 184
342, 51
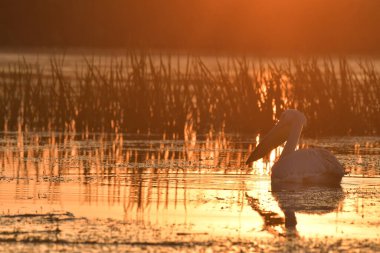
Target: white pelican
310, 166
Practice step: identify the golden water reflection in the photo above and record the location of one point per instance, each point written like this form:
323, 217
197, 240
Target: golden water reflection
200, 183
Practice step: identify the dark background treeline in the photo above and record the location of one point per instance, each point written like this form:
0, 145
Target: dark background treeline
260, 26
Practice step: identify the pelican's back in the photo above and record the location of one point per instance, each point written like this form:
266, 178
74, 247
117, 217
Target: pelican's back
310, 166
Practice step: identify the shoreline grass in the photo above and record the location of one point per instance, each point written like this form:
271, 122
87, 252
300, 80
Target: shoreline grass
145, 93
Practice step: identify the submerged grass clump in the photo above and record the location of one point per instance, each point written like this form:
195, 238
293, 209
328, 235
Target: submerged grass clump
149, 93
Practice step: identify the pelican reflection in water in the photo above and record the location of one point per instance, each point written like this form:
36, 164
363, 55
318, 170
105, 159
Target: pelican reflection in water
294, 199
314, 166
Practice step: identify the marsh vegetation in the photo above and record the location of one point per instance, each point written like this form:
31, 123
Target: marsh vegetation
161, 93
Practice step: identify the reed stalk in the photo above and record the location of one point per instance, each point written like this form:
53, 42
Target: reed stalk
149, 93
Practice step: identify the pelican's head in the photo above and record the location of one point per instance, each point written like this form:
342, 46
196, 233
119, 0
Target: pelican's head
292, 116
278, 134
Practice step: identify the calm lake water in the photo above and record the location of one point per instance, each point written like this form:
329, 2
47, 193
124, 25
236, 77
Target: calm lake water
71, 61
160, 192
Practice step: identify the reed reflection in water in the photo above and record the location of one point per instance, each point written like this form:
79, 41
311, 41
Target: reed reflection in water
198, 181
37, 155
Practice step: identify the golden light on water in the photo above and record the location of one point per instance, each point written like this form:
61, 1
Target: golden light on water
199, 182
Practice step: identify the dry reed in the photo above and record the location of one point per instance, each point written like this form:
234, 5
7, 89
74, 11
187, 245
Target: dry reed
148, 93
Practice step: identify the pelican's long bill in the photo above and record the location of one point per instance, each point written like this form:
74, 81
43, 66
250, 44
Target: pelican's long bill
276, 136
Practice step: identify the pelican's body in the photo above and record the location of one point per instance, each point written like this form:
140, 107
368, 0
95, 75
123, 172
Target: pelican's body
311, 166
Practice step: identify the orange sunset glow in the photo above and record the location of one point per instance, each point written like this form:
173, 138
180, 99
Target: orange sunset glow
189, 126
265, 27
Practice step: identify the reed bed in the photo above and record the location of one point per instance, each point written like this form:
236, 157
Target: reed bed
148, 93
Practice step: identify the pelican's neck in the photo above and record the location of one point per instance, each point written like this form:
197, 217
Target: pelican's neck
293, 138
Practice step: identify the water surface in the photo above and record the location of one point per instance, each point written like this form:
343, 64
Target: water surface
164, 191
